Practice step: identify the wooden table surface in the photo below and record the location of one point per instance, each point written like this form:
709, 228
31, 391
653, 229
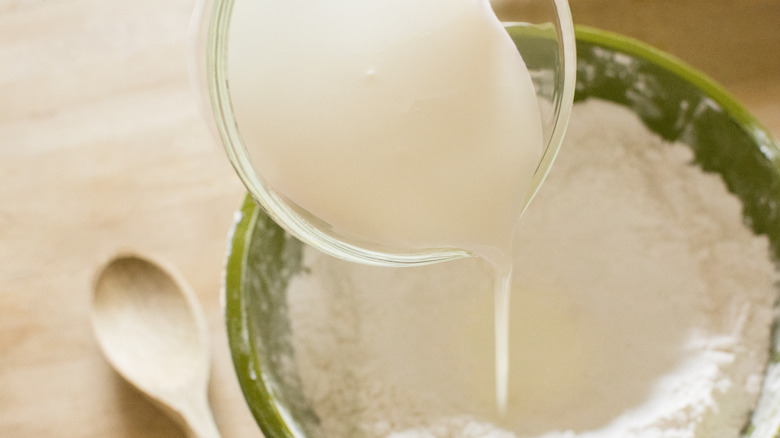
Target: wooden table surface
102, 149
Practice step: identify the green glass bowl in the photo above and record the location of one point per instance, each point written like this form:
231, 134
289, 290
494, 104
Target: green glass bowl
674, 100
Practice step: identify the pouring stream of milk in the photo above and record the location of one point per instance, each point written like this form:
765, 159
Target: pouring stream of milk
414, 127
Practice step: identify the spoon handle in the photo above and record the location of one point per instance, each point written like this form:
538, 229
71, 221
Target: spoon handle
198, 420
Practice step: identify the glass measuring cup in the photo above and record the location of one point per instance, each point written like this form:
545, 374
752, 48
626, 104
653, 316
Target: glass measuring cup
546, 45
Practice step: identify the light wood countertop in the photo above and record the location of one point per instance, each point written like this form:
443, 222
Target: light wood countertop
102, 149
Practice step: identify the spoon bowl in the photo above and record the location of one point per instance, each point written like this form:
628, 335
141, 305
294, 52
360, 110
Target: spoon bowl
151, 329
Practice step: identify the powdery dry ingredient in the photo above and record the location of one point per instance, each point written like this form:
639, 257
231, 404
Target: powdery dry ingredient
641, 307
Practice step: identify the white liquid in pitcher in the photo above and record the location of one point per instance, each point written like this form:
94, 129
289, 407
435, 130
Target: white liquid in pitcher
409, 124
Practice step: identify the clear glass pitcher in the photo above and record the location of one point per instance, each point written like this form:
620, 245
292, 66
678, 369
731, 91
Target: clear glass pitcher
543, 32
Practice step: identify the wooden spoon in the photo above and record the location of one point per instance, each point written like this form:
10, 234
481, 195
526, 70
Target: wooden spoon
152, 331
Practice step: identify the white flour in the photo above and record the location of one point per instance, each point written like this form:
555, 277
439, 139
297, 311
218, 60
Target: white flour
641, 307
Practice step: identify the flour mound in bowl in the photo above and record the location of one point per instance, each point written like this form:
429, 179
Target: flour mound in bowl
641, 307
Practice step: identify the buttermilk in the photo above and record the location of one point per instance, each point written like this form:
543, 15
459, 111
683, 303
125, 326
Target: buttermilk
407, 124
